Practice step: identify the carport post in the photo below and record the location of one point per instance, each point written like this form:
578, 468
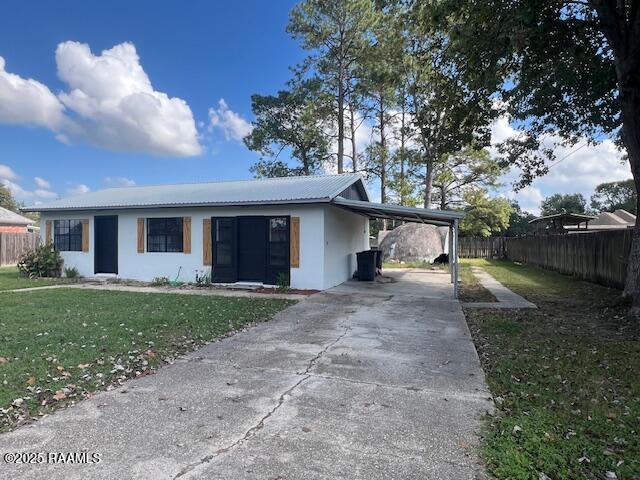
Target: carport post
450, 251
455, 258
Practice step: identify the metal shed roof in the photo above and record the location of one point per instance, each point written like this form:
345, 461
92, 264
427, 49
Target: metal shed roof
246, 192
7, 217
564, 217
397, 212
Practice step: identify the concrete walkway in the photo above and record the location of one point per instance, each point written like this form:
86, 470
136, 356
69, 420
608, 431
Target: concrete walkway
506, 298
365, 381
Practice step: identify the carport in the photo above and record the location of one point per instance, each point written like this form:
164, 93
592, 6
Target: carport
440, 218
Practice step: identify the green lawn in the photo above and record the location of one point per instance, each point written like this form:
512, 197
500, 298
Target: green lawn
565, 378
471, 290
10, 279
59, 345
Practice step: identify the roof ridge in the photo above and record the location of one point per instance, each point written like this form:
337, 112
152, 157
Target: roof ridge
209, 182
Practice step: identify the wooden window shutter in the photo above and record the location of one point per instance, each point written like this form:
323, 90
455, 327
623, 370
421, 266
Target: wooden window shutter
186, 234
207, 254
140, 237
85, 235
295, 242
47, 229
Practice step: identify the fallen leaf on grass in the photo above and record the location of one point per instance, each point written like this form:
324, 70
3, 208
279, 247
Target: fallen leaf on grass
84, 365
31, 381
3, 360
59, 395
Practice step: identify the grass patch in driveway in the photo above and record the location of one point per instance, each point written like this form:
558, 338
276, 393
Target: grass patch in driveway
60, 345
565, 377
10, 279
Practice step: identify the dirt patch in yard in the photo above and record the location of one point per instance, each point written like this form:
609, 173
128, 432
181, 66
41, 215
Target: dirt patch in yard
292, 291
471, 290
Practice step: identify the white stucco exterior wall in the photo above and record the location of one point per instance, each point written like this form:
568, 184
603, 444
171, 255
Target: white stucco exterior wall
345, 234
146, 266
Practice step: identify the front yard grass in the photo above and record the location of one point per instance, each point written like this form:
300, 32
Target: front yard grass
10, 279
565, 379
61, 345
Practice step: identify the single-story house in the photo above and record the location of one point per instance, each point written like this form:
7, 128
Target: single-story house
306, 230
11, 222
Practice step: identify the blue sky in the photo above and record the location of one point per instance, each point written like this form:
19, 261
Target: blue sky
96, 94
200, 52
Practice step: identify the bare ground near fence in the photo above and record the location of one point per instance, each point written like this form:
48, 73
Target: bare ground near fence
599, 257
14, 245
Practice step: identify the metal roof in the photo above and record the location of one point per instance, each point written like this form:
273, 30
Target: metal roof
567, 217
7, 217
397, 212
310, 189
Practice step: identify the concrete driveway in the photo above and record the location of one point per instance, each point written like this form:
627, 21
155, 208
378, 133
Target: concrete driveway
365, 381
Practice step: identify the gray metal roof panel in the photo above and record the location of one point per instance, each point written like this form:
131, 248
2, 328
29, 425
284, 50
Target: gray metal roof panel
244, 192
384, 210
7, 217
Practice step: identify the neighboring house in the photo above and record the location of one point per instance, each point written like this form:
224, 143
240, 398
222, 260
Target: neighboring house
618, 220
305, 229
11, 222
578, 223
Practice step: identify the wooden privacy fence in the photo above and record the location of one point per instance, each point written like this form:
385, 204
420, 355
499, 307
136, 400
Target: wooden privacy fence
599, 257
480, 247
13, 245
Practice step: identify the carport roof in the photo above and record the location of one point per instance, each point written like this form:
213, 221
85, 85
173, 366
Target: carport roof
443, 218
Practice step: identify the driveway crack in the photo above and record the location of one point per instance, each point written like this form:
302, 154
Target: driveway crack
258, 426
315, 359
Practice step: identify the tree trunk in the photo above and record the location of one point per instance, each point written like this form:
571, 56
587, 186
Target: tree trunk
625, 43
443, 197
402, 157
383, 153
630, 98
340, 126
428, 183
354, 149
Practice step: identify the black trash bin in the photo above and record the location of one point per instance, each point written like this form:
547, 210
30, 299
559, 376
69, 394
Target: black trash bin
378, 257
366, 265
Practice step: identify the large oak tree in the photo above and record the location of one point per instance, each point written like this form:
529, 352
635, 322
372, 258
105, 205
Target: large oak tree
564, 70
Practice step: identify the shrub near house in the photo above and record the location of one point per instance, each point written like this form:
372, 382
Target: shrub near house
43, 261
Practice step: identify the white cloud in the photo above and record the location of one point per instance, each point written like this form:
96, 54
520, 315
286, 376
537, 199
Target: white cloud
110, 103
43, 193
577, 169
529, 198
7, 173
78, 189
116, 107
27, 101
119, 182
16, 190
41, 183
233, 126
23, 195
